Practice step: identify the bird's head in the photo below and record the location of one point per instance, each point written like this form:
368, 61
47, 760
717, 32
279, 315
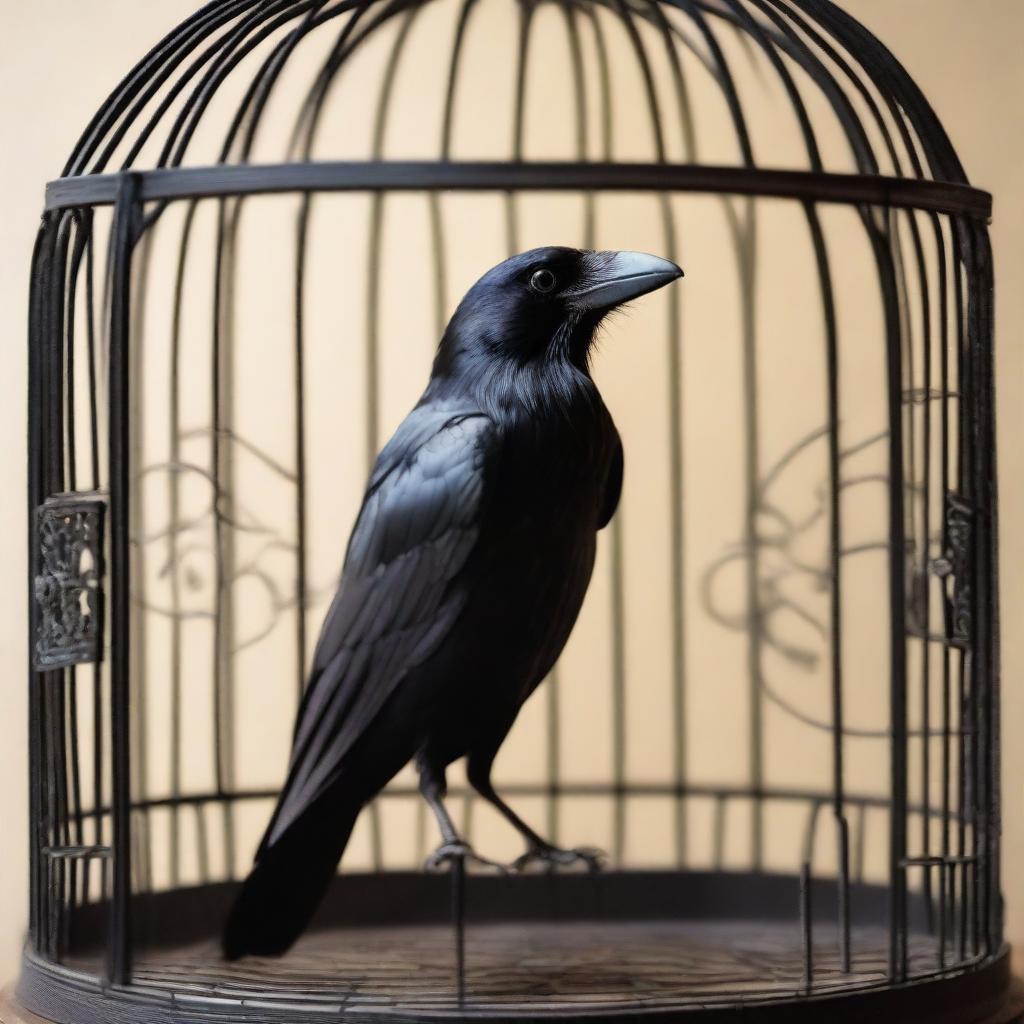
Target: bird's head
545, 305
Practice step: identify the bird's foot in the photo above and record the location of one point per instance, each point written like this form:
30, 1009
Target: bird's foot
448, 853
552, 856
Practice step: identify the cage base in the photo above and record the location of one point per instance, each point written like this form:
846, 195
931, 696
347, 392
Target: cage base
617, 946
621, 971
1010, 1012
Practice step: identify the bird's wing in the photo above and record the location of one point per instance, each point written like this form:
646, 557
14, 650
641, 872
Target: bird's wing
418, 524
613, 486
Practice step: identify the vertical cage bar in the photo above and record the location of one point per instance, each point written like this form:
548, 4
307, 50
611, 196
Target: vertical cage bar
984, 640
142, 858
962, 694
946, 875
372, 413
299, 385
98, 759
173, 550
38, 487
677, 548
222, 468
675, 489
897, 614
444, 153
51, 464
978, 677
371, 349
921, 590
989, 572
458, 907
56, 681
78, 252
616, 529
744, 234
126, 213
807, 925
518, 118
675, 455
618, 616
746, 251
308, 120
835, 582
972, 671
988, 582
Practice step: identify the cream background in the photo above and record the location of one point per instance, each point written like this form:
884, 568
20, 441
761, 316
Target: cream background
962, 55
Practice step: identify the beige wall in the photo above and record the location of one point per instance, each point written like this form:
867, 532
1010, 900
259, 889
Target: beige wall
56, 66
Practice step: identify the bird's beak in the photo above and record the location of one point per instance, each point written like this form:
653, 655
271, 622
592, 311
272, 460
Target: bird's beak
618, 277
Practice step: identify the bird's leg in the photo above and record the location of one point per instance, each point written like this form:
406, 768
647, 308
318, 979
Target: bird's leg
433, 786
538, 849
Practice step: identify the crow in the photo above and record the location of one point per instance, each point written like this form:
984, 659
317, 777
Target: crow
464, 575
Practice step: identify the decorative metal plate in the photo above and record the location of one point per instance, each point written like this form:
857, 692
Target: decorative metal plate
955, 563
959, 528
68, 584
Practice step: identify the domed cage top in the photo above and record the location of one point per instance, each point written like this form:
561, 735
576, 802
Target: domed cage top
779, 712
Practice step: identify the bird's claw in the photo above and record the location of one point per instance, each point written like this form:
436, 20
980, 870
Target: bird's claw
553, 856
449, 853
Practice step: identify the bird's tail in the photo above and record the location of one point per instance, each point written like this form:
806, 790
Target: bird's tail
288, 881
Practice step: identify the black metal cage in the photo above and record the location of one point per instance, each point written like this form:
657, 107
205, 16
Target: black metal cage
788, 663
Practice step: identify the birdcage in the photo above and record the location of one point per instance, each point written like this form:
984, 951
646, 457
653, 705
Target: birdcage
779, 711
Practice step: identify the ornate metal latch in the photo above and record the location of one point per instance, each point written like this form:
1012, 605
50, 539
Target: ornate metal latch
68, 582
955, 562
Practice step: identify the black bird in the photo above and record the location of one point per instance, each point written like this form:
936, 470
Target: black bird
464, 574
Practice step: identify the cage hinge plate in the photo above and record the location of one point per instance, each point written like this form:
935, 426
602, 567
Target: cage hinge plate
68, 583
955, 564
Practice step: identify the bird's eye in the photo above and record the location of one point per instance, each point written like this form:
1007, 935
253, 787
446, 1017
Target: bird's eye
543, 281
